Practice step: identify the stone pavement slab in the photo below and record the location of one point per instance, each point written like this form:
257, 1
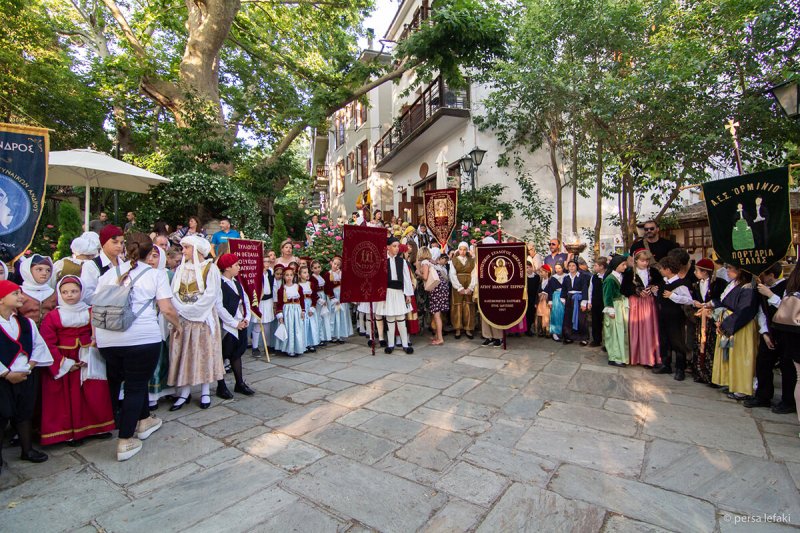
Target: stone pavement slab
350, 442
392, 427
403, 400
283, 451
513, 464
434, 448
472, 484
379, 500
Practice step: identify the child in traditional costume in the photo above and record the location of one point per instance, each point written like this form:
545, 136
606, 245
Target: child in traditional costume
707, 288
310, 322
322, 311
262, 326
40, 297
615, 311
640, 285
398, 297
673, 295
291, 315
196, 355
575, 290
596, 304
21, 350
533, 286
233, 308
542, 327
158, 388
75, 405
554, 301
340, 312
463, 279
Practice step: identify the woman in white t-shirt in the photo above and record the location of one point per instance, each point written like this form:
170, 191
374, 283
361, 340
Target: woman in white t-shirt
130, 363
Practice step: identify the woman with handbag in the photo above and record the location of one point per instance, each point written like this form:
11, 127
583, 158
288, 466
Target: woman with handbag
132, 355
438, 288
787, 323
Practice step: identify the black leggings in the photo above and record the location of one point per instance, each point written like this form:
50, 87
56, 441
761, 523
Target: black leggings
133, 365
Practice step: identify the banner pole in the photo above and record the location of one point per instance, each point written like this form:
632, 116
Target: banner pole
264, 340
372, 322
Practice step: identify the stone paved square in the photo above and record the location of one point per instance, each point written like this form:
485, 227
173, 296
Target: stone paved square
537, 438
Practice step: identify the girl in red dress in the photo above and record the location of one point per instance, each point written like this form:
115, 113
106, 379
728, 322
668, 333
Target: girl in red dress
73, 408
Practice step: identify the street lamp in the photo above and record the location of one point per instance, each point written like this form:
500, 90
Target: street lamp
470, 163
787, 94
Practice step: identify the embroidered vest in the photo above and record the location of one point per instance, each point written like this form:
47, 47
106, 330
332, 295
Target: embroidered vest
11, 348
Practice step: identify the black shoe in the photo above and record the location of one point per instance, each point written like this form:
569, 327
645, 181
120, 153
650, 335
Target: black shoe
496, 343
153, 407
617, 363
469, 336
528, 334
388, 349
224, 392
243, 388
584, 343
370, 343
680, 375
408, 349
662, 369
34, 456
458, 335
339, 341
723, 389
594, 344
756, 402
177, 406
311, 349
206, 405
487, 342
781, 408
382, 343
75, 443
733, 396
713, 385
323, 344
568, 341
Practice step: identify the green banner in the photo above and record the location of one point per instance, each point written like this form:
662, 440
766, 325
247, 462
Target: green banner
750, 219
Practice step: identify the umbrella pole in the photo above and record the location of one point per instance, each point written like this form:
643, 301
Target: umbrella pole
86, 208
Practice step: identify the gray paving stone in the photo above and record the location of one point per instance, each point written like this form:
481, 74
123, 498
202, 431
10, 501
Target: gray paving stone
462, 407
361, 492
392, 427
336, 385
352, 443
622, 524
532, 509
137, 490
794, 471
505, 432
385, 384
357, 417
273, 509
705, 428
56, 463
348, 356
448, 421
783, 447
522, 408
321, 366
397, 362
457, 515
636, 500
493, 395
626, 407
513, 380
482, 362
561, 368
403, 400
788, 430
472, 484
514, 464
308, 418
305, 377
584, 446
283, 451
171, 446
461, 387
419, 380
559, 393
278, 386
591, 417
311, 394
727, 479
356, 396
446, 371
175, 507
603, 384
218, 457
231, 425
434, 448
409, 471
42, 504
207, 416
359, 374
238, 438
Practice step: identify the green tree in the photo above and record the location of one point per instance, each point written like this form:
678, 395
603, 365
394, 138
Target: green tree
279, 234
70, 226
483, 203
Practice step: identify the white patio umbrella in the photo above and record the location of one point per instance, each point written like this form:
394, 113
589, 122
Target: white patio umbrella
441, 171
88, 168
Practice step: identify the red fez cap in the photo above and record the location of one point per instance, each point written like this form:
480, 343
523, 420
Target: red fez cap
226, 261
7, 287
109, 232
705, 264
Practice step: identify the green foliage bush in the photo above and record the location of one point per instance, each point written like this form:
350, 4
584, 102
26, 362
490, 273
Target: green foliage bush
69, 226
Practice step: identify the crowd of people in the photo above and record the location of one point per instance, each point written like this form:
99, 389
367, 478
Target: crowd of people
130, 319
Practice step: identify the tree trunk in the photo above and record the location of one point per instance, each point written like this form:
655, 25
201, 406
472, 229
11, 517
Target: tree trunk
623, 201
630, 229
575, 151
598, 222
552, 142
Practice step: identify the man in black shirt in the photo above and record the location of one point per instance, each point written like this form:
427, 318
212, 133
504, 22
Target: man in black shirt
657, 246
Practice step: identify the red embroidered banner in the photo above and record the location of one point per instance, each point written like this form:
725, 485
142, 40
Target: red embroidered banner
364, 266
441, 208
251, 274
502, 287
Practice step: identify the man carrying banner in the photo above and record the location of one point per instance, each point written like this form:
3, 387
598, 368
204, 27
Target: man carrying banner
398, 297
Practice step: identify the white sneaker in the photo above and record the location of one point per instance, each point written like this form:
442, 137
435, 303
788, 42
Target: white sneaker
147, 427
127, 448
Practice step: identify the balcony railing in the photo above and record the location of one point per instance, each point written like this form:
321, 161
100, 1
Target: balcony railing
436, 96
420, 15
322, 172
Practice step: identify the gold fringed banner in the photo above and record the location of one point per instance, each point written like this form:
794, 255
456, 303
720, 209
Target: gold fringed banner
441, 210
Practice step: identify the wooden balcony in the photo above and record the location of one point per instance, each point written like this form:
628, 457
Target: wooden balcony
420, 15
437, 101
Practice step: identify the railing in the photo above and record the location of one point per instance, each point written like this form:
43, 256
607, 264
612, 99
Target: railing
322, 172
436, 96
420, 15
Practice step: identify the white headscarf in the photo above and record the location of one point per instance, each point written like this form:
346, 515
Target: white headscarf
37, 291
94, 239
489, 240
72, 315
162, 258
83, 246
464, 245
435, 254
201, 248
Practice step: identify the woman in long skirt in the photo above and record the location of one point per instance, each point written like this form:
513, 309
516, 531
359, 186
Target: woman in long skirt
615, 311
340, 312
322, 311
640, 285
542, 328
290, 306
737, 335
554, 298
575, 292
196, 355
158, 387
